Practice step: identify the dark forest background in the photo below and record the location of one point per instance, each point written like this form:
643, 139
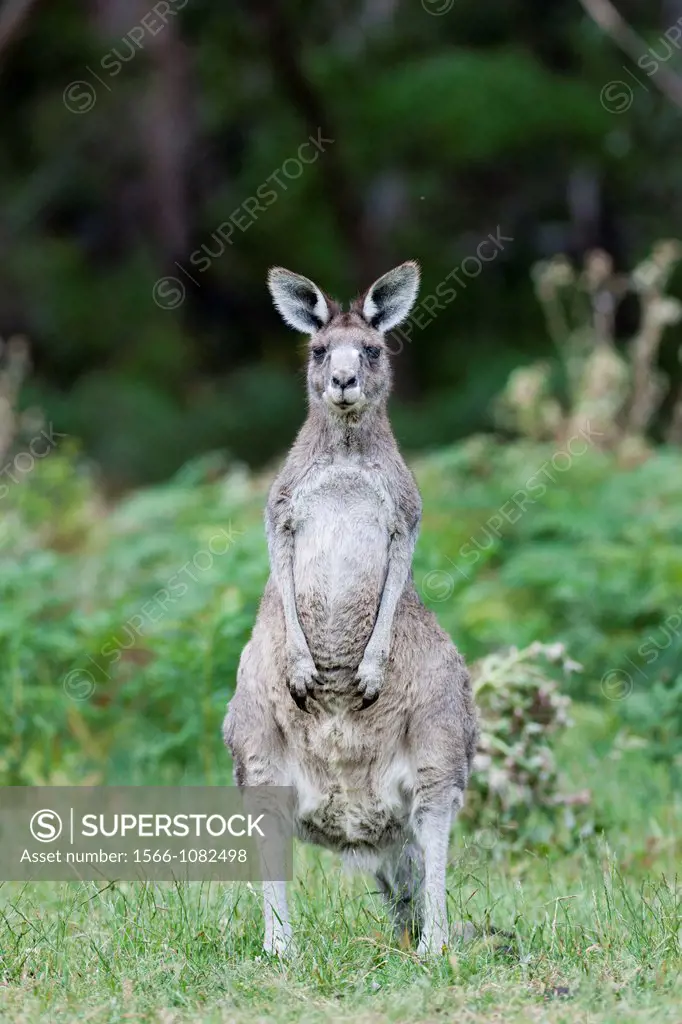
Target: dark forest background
131, 131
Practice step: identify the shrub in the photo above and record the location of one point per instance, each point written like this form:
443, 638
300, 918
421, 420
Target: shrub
522, 709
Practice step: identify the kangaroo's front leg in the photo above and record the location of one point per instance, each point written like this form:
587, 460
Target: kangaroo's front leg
300, 668
372, 668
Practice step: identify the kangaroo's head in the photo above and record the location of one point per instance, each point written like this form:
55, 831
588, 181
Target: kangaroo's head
348, 367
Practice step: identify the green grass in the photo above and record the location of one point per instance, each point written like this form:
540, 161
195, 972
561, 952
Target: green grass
589, 934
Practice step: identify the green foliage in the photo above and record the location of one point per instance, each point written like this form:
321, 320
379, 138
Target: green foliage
122, 625
528, 542
655, 712
121, 631
473, 125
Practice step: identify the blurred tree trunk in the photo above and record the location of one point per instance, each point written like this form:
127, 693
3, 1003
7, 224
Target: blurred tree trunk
163, 118
165, 122
13, 16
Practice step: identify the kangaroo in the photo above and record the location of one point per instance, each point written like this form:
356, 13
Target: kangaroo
348, 690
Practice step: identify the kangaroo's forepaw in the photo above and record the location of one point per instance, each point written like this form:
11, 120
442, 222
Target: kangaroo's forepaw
302, 674
370, 679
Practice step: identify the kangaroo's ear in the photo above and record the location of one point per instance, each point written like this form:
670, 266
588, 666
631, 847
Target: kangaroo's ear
300, 303
391, 298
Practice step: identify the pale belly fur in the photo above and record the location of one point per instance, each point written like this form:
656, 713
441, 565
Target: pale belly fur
341, 540
349, 798
346, 796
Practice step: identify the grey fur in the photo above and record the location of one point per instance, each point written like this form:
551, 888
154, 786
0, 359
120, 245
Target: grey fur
379, 737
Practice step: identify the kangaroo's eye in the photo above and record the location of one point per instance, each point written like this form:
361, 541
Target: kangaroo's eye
319, 353
372, 351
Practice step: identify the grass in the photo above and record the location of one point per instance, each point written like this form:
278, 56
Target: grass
592, 933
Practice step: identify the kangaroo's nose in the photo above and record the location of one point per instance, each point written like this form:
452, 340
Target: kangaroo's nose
342, 381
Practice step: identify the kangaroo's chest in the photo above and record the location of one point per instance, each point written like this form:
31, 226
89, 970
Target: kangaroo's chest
342, 519
344, 506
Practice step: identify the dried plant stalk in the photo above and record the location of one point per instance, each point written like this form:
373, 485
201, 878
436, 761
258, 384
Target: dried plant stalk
619, 396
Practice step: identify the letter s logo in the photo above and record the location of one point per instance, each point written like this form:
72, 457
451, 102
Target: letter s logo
46, 826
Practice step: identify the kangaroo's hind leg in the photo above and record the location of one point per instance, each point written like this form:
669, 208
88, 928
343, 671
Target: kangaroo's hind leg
277, 940
401, 879
432, 832
257, 750
278, 931
442, 737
